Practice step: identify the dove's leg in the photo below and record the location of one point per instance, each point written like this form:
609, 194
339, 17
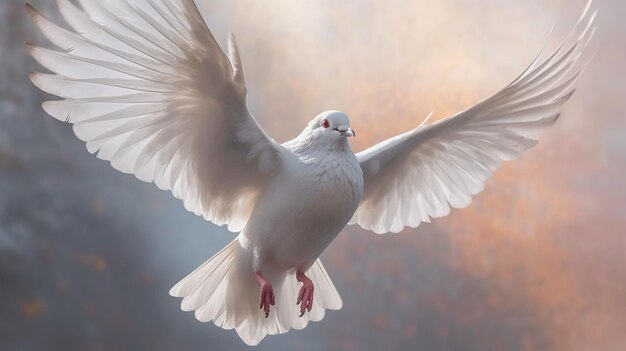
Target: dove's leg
305, 297
267, 294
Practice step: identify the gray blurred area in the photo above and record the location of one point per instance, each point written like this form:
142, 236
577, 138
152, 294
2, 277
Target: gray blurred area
87, 255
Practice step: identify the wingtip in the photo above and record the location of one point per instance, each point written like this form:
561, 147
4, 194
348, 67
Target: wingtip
557, 117
567, 96
30, 9
232, 40
175, 291
32, 77
29, 46
586, 10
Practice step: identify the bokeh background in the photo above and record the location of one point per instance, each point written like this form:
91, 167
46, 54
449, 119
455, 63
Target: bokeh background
538, 262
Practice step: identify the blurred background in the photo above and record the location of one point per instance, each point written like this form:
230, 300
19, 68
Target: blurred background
537, 262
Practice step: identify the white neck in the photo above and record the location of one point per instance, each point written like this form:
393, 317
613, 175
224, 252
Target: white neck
307, 144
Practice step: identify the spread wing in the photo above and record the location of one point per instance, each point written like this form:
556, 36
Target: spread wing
147, 87
422, 173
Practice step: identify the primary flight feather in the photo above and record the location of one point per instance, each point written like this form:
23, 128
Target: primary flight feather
148, 88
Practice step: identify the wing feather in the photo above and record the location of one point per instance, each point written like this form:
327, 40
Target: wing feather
148, 88
425, 172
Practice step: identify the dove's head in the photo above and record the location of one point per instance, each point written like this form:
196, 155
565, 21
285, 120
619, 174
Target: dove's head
331, 126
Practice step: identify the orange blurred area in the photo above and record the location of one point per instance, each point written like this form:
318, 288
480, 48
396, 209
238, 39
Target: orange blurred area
32, 309
94, 262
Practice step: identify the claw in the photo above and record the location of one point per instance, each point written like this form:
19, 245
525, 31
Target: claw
305, 297
266, 299
266, 296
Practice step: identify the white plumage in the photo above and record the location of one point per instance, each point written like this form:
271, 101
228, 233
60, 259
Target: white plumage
147, 87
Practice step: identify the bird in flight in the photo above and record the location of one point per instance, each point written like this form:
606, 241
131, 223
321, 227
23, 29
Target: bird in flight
147, 87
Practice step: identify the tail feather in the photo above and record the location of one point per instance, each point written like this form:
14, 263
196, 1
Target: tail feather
330, 298
195, 279
225, 292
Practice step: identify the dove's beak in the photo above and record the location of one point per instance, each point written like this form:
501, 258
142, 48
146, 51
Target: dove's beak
346, 131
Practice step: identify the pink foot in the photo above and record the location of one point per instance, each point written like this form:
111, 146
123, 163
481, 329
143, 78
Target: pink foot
305, 297
267, 294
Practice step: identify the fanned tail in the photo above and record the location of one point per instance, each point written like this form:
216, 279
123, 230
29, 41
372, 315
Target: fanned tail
224, 290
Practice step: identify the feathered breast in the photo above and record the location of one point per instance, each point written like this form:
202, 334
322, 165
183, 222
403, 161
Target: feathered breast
336, 178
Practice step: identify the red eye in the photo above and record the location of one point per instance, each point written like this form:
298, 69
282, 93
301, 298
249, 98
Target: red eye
325, 123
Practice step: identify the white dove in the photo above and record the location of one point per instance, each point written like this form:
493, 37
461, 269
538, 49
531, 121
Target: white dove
147, 87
